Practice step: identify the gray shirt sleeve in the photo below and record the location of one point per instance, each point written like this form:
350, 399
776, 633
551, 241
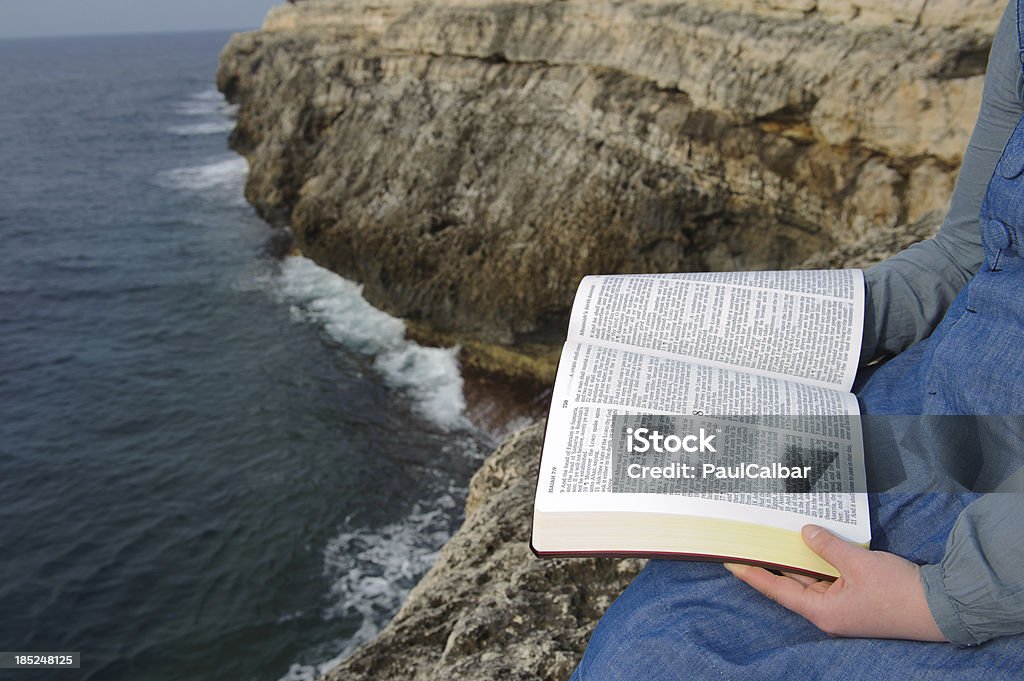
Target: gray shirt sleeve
909, 293
977, 592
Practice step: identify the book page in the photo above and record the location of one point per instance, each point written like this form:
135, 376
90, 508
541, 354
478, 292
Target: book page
796, 325
596, 383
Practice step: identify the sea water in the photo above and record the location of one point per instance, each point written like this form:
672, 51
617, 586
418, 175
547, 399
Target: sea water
215, 463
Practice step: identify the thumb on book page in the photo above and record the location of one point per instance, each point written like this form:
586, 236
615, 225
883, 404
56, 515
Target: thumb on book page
837, 552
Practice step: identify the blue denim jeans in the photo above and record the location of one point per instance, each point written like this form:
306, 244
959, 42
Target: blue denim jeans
689, 620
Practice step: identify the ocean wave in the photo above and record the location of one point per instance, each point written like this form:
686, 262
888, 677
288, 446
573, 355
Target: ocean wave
218, 117
204, 128
372, 571
206, 103
429, 376
225, 176
210, 94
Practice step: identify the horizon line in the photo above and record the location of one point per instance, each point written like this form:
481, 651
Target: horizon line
121, 34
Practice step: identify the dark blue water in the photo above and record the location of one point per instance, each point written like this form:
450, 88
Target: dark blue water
214, 463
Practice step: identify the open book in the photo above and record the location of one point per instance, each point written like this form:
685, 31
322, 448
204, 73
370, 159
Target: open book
757, 368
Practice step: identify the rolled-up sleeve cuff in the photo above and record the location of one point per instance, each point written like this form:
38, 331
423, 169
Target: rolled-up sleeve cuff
942, 607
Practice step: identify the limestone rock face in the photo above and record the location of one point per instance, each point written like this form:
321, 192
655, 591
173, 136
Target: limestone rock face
469, 161
489, 609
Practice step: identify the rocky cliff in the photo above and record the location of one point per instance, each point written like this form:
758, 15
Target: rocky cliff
468, 161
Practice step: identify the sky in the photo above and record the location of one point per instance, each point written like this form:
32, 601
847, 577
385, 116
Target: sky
31, 18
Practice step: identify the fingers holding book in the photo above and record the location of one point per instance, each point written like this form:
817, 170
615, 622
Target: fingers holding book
878, 594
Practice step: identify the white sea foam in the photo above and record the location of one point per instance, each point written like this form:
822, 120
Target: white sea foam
429, 376
218, 116
205, 103
210, 94
372, 571
224, 175
204, 128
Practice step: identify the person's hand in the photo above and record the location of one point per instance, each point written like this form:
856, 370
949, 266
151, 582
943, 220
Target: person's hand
878, 594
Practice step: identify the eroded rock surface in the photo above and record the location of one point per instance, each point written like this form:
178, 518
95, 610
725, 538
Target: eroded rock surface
468, 161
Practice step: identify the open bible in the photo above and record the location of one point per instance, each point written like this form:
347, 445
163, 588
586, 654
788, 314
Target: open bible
747, 376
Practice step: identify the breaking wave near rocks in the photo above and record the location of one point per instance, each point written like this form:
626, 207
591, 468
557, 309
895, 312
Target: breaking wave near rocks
204, 113
429, 376
221, 178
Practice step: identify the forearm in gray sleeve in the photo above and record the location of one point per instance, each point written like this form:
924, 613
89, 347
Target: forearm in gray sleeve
909, 293
977, 592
